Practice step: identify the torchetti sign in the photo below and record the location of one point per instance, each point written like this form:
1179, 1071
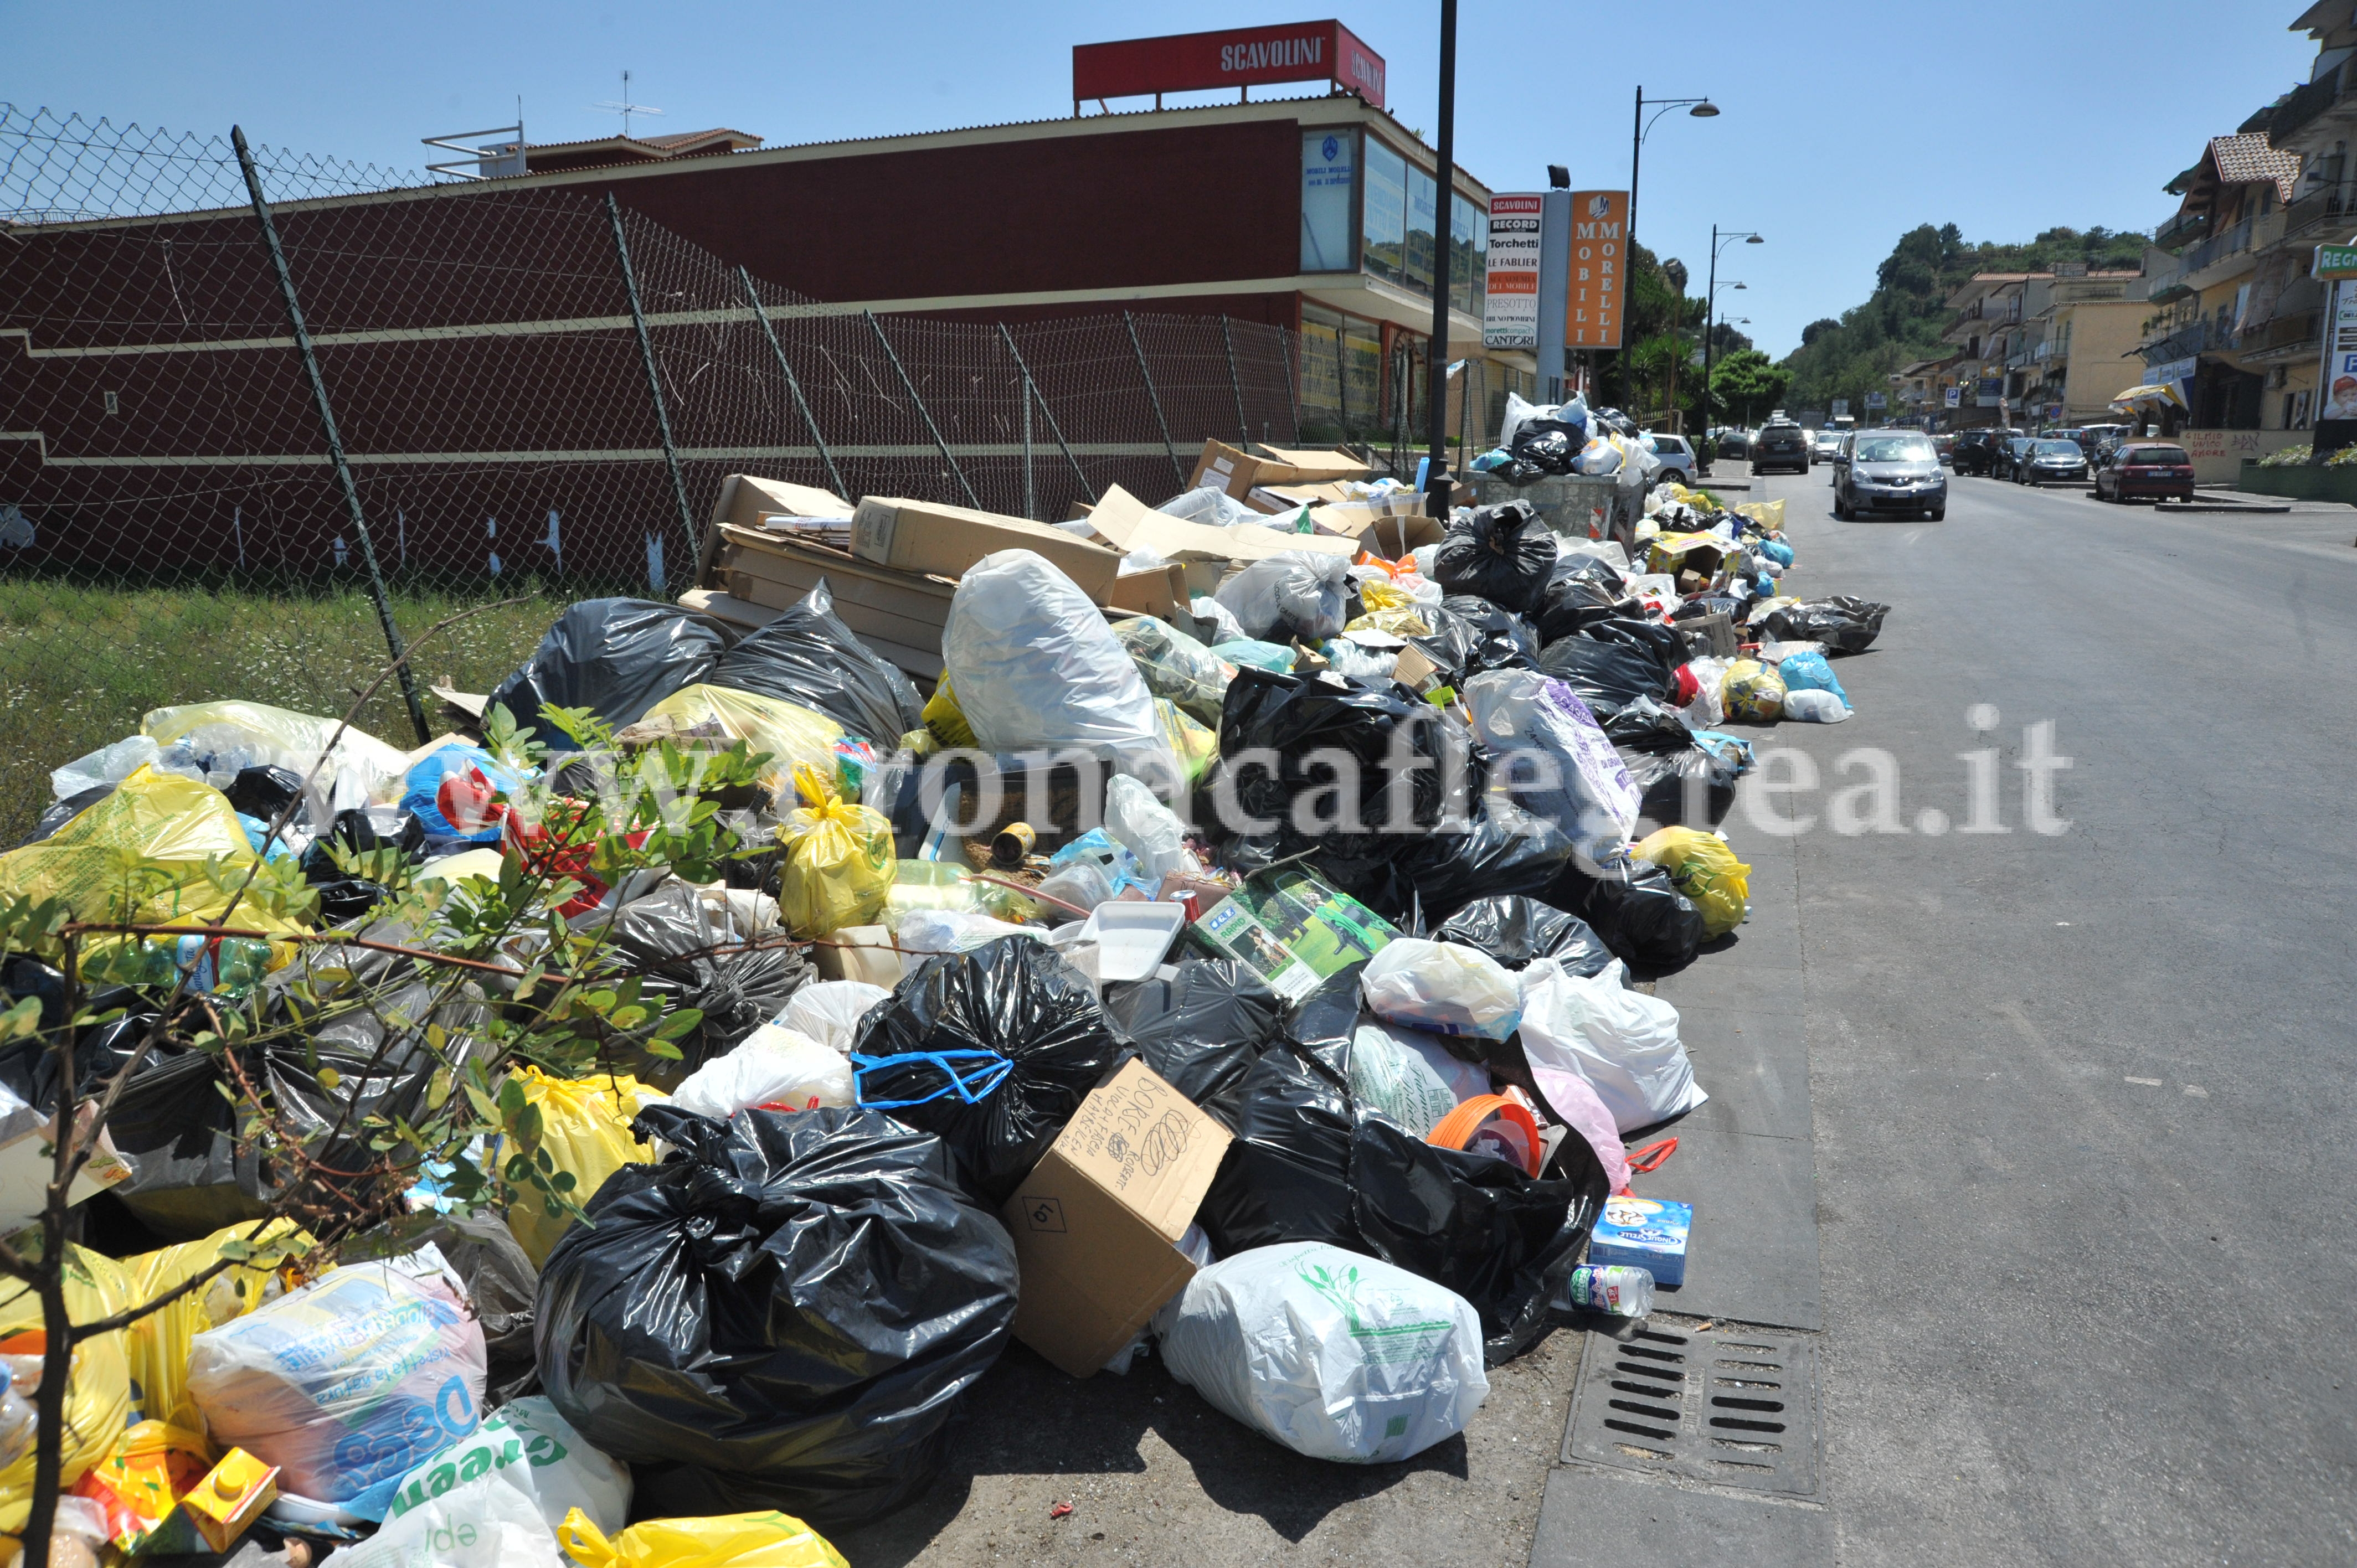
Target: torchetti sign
1509, 306
1243, 56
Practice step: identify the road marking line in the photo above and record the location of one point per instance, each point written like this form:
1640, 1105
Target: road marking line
2147, 1082
2196, 1090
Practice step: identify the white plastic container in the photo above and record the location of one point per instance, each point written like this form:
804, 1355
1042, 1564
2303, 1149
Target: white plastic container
1132, 937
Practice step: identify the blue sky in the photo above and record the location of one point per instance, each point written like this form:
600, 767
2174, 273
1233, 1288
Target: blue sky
1844, 124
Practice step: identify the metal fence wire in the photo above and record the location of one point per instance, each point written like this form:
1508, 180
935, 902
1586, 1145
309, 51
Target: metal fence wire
535, 394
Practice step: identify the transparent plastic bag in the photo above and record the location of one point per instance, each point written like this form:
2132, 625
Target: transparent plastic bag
1334, 1355
1298, 594
794, 736
1623, 1042
777, 1067
236, 735
1147, 828
1442, 988
107, 765
1177, 667
524, 1448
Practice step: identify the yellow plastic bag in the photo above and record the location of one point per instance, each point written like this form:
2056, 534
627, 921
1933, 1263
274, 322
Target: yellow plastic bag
158, 1343
839, 860
1398, 622
144, 1477
725, 1540
97, 1389
1767, 514
718, 715
282, 737
139, 856
1384, 596
1196, 746
947, 720
1752, 691
584, 1125
1706, 871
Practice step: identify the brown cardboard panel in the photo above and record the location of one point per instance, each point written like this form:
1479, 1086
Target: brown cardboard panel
1131, 525
1314, 463
932, 537
1162, 592
1094, 1222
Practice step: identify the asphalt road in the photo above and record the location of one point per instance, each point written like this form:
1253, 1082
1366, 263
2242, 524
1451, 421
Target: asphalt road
2082, 1100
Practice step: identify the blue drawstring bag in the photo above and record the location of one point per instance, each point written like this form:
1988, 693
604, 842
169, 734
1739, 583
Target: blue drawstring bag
1811, 672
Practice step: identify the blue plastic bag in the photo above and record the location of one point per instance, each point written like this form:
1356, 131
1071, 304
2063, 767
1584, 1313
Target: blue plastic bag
1727, 748
1811, 672
421, 793
1260, 655
1776, 550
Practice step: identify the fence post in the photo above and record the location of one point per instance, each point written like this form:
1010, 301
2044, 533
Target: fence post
1342, 388
654, 389
1031, 490
1293, 340
1153, 397
918, 403
327, 427
1031, 390
1236, 386
794, 383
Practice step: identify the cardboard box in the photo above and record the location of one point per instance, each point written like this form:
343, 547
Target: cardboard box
1644, 1233
1238, 473
1131, 524
216, 1509
1095, 1223
1388, 530
897, 614
943, 541
1162, 592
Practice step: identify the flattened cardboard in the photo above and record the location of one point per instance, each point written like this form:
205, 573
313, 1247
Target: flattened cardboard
1131, 525
944, 541
1318, 462
746, 498
1096, 1221
1162, 592
1379, 528
1238, 473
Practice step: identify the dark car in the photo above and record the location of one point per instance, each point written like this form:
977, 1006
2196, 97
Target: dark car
1976, 450
1889, 470
2009, 457
1735, 442
2052, 462
1780, 446
2138, 469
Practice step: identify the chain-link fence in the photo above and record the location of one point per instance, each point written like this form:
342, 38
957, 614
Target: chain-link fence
535, 394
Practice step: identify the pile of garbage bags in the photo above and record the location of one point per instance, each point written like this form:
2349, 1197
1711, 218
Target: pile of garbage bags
1309, 913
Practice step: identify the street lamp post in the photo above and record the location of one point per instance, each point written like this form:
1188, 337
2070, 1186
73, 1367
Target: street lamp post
1700, 108
1710, 322
1437, 477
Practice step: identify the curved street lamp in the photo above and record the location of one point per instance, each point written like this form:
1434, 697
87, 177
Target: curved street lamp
1699, 108
1710, 327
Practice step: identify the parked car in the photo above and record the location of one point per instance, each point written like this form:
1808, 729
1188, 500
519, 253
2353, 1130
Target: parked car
1976, 450
2138, 469
2011, 455
1734, 442
1677, 457
1889, 470
2052, 462
2099, 440
1781, 446
1945, 445
1824, 444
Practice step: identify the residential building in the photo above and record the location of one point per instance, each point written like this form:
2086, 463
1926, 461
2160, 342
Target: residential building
2233, 314
1987, 332
2079, 334
2315, 124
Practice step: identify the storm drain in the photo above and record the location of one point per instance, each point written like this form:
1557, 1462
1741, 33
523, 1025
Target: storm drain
1722, 1402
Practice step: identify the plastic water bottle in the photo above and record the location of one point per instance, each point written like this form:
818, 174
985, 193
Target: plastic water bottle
1616, 1288
16, 1421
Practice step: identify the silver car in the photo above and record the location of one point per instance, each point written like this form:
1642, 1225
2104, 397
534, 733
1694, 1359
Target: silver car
1889, 470
1825, 443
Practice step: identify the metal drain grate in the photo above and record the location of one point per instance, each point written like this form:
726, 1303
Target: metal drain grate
1721, 1403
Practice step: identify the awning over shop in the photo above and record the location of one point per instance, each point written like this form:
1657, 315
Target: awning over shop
2137, 396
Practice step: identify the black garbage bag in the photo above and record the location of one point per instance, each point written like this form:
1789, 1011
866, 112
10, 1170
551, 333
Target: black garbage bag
1502, 553
1842, 623
344, 898
1517, 930
1286, 1175
1638, 911
501, 1284
1681, 783
1413, 760
1036, 1041
808, 656
1551, 451
1201, 1029
66, 810
264, 792
667, 938
1606, 674
1521, 471
1568, 602
1496, 1235
786, 1312
1506, 850
615, 657
178, 1135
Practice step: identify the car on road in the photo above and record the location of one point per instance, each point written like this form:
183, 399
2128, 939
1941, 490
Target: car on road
2139, 470
1945, 445
2052, 462
1783, 445
1976, 450
1677, 457
2008, 457
1733, 441
1824, 444
1889, 470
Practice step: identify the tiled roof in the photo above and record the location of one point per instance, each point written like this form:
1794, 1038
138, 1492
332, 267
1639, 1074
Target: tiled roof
2247, 159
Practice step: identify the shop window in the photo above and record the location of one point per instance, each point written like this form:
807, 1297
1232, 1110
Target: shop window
1423, 228
1469, 256
1385, 226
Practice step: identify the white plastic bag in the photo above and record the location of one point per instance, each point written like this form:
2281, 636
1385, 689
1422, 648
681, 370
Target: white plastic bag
1442, 988
1298, 594
952, 930
107, 765
349, 1382
1208, 608
1211, 507
1333, 1355
1815, 707
526, 1447
1623, 1042
1554, 757
1147, 828
1035, 668
774, 1066
829, 1010
482, 1524
1409, 1076
1706, 711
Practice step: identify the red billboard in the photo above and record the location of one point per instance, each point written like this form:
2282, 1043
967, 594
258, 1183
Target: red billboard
1243, 56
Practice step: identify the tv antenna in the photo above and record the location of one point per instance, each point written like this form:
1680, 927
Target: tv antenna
626, 108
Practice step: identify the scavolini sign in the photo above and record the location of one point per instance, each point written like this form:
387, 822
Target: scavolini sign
1239, 58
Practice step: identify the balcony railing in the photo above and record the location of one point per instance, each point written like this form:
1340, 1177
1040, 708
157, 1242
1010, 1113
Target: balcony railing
2178, 344
2181, 228
2218, 247
2314, 212
2284, 332
2304, 105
